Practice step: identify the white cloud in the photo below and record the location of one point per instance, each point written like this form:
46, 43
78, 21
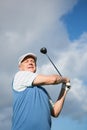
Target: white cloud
5, 118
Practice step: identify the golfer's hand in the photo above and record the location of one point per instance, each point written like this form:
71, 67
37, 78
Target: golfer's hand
68, 85
66, 80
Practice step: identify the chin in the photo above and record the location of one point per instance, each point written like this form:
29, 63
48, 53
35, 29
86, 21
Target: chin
30, 70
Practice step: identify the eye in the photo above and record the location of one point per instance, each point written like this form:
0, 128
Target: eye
26, 61
32, 61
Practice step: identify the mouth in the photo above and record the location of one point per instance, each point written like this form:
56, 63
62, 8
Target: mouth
30, 67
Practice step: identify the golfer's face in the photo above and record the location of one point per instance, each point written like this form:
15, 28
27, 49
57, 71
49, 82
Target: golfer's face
28, 65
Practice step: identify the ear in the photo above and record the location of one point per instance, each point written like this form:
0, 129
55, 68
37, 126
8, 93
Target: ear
19, 67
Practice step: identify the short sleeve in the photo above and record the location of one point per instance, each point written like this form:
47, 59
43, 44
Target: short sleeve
23, 79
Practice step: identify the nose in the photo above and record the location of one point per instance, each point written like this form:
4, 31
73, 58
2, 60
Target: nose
30, 63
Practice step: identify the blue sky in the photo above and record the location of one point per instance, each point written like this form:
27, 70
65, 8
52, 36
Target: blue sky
76, 20
60, 26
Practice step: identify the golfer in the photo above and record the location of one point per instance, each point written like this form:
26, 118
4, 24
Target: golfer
32, 105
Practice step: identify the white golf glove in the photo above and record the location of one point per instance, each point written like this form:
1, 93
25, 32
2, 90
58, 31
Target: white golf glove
66, 86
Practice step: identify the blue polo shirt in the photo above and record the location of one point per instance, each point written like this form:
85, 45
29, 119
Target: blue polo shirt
31, 107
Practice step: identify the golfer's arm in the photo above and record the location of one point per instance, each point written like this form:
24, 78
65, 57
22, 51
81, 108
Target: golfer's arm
49, 79
58, 105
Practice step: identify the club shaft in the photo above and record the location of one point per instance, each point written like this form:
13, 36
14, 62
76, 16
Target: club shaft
53, 65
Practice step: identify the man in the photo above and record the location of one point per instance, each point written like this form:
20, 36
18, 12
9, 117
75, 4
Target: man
32, 105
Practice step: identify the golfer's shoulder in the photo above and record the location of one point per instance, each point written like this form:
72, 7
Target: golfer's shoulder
20, 73
25, 74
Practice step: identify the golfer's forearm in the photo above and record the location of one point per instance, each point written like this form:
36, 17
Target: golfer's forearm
57, 109
60, 79
59, 103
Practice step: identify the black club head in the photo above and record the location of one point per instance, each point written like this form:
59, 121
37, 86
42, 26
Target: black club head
43, 50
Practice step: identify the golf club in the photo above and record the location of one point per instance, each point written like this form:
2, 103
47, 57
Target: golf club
44, 51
